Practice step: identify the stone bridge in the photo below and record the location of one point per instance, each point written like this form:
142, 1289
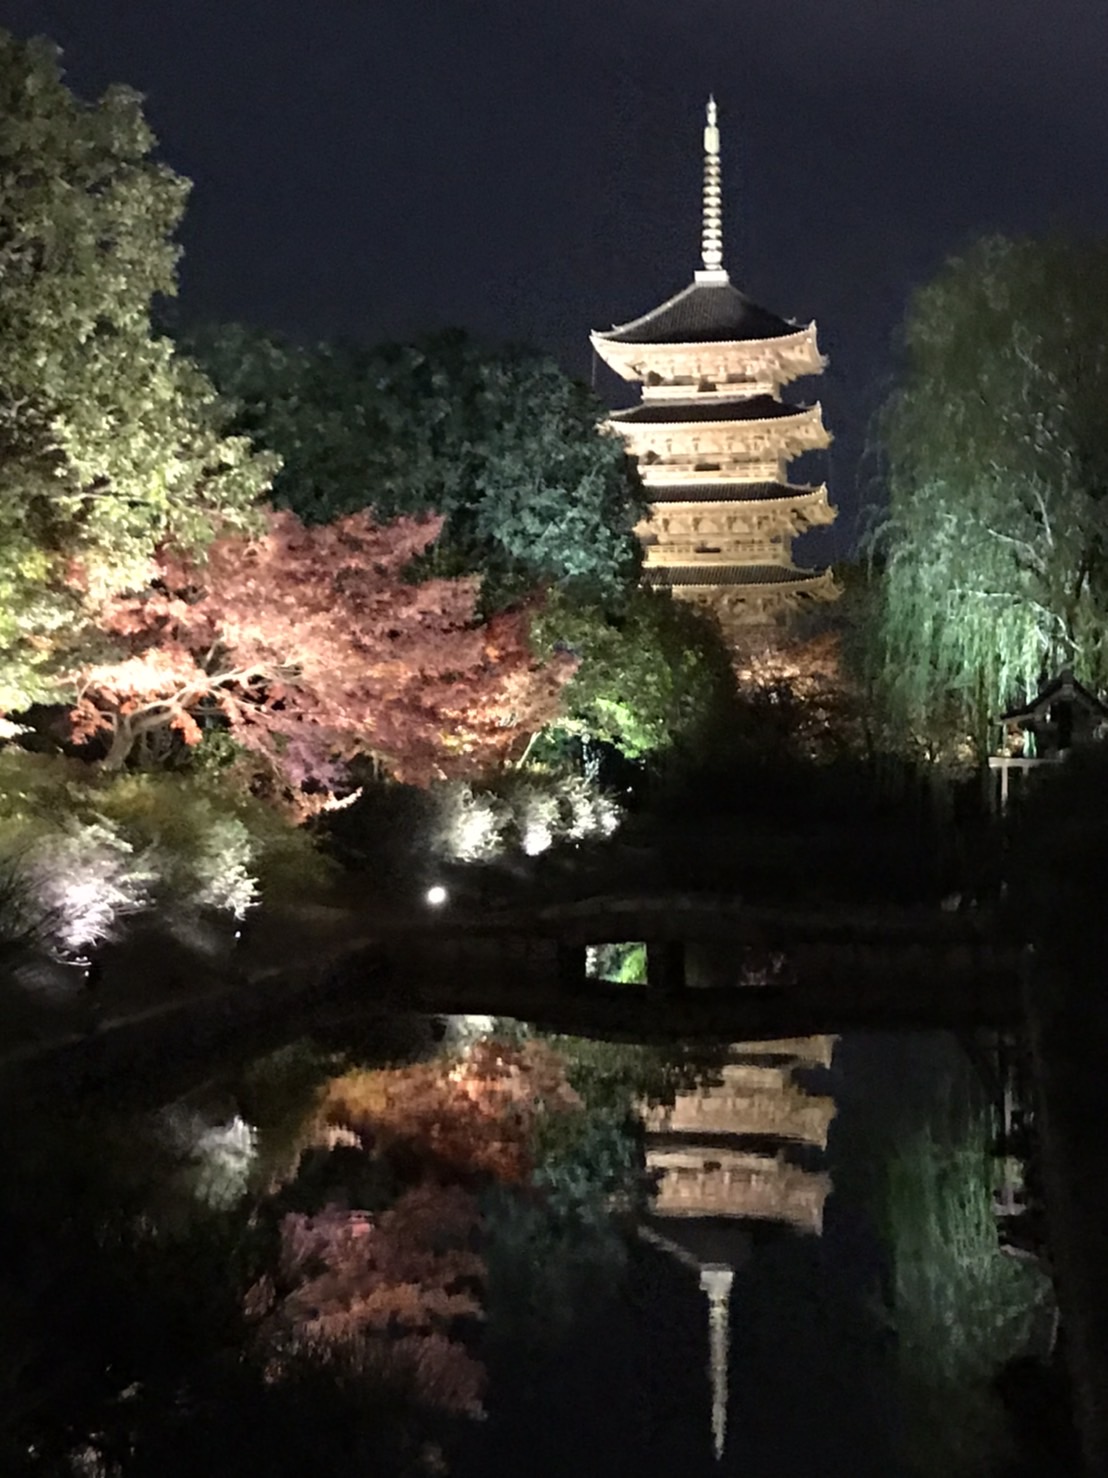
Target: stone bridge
715, 967
718, 970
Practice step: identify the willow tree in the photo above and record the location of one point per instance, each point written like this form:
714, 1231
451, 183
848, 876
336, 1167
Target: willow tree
111, 443
994, 553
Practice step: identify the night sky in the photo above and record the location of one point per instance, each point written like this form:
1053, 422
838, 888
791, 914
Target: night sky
376, 169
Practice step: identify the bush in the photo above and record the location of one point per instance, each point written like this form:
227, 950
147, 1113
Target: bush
467, 825
85, 850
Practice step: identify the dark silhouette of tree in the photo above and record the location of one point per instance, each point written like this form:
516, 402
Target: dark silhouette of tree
501, 443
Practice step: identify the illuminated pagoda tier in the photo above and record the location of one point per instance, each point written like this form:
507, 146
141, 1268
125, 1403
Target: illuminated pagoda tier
714, 439
749, 1100
718, 1157
699, 1148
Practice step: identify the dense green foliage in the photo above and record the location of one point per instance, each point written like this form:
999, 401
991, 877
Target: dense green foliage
655, 674
110, 441
502, 443
995, 557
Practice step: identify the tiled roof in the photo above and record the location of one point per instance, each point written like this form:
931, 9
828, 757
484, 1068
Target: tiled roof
721, 492
702, 313
709, 574
1065, 689
753, 408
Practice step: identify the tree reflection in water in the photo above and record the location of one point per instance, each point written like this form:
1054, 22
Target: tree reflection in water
961, 1308
414, 1243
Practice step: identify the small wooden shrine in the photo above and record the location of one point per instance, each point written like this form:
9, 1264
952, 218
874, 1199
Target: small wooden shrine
1063, 715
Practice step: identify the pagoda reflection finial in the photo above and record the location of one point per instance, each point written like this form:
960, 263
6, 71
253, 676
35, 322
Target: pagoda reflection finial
715, 1280
711, 241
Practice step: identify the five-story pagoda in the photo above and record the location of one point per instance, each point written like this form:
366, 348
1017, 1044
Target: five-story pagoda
713, 438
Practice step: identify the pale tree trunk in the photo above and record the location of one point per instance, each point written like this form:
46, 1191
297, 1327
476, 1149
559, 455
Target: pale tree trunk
122, 742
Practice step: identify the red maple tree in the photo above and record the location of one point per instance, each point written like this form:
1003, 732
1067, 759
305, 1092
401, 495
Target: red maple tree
388, 1290
474, 1117
313, 647
384, 1291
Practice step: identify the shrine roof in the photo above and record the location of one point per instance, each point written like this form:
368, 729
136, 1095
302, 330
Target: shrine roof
703, 312
709, 574
722, 492
1063, 689
753, 408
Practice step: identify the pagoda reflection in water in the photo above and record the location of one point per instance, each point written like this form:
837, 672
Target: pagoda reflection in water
730, 1152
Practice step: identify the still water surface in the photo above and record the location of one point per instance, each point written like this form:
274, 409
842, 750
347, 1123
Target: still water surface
746, 1330
464, 1246
732, 1264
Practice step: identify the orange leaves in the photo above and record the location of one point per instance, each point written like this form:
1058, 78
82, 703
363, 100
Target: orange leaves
185, 725
476, 1119
386, 1291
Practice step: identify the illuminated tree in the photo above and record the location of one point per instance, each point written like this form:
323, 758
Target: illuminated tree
501, 443
653, 673
994, 550
477, 1117
110, 441
385, 1289
312, 647
81, 879
803, 697
960, 1307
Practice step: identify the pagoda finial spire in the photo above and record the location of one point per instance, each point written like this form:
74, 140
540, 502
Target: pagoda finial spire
711, 241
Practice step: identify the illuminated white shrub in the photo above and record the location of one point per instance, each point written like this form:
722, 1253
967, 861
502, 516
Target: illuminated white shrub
82, 880
537, 816
462, 1031
225, 1155
550, 808
468, 825
472, 825
587, 812
220, 1157
222, 874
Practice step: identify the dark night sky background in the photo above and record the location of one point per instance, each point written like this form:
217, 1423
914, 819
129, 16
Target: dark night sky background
374, 168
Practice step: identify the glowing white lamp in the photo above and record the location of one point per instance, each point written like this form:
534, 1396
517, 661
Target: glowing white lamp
436, 896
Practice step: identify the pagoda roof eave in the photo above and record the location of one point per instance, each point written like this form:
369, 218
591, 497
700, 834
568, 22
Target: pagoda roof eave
706, 576
762, 493
701, 312
814, 506
796, 333
789, 416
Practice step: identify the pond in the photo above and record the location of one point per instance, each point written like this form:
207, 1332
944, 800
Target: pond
466, 1246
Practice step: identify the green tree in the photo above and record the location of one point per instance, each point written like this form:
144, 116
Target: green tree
997, 447
654, 673
111, 443
500, 442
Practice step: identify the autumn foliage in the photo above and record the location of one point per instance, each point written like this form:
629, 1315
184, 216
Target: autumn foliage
476, 1119
312, 647
383, 1292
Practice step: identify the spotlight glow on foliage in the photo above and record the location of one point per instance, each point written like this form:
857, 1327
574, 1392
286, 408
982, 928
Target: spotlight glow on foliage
83, 879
